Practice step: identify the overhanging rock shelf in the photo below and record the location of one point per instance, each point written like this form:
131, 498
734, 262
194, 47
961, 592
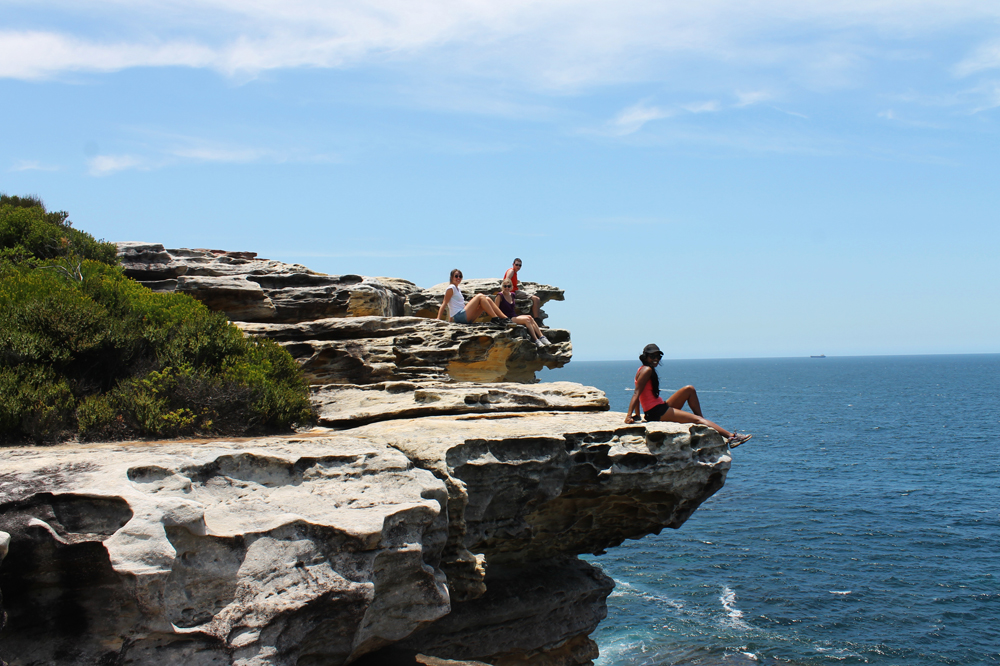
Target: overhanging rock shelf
438, 511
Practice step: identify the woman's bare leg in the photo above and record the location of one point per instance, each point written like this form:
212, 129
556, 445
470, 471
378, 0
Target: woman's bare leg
688, 395
477, 304
678, 416
528, 323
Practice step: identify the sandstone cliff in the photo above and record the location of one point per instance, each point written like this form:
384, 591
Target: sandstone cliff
435, 512
455, 537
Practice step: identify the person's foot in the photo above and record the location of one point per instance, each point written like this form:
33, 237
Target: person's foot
500, 320
736, 439
539, 342
544, 341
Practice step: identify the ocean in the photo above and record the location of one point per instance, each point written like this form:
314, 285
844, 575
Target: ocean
860, 525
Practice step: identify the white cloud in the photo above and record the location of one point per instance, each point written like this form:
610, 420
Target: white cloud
701, 107
33, 165
102, 165
218, 154
985, 57
559, 44
753, 97
634, 117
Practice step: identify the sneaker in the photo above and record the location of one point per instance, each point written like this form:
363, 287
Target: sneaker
543, 341
500, 320
736, 439
539, 343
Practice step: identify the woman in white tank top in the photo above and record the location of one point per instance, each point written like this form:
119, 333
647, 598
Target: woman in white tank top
461, 312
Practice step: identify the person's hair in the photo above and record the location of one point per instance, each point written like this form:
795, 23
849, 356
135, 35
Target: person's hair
452, 274
655, 381
517, 260
506, 282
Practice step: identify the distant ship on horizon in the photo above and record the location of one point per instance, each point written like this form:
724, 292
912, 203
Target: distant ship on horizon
820, 356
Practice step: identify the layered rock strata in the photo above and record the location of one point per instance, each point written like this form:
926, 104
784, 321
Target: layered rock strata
350, 329
439, 524
342, 406
250, 288
367, 350
454, 536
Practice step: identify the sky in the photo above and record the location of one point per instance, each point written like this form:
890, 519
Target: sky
727, 179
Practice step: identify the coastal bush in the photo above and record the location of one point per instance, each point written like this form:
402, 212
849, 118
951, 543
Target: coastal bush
28, 231
86, 351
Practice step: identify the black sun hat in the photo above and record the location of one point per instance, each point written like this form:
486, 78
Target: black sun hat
651, 350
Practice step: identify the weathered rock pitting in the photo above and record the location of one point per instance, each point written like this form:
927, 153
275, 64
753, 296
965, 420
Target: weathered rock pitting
368, 350
341, 406
327, 547
437, 511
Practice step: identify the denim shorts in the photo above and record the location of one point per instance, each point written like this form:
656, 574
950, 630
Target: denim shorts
460, 318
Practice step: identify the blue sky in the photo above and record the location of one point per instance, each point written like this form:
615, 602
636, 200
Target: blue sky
726, 179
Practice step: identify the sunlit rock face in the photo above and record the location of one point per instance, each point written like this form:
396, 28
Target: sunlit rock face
434, 516
350, 329
368, 350
325, 547
273, 551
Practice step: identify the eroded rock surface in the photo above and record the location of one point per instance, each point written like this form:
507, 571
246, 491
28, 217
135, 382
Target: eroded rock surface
341, 406
249, 288
368, 350
323, 548
263, 552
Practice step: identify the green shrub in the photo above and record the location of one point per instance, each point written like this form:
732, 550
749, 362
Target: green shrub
85, 350
28, 231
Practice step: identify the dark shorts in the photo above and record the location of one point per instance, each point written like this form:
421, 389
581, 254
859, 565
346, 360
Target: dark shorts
460, 318
656, 413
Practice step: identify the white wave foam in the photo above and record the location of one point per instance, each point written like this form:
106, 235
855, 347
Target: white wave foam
728, 600
844, 592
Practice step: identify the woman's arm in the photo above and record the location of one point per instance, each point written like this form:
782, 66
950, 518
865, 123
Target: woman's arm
444, 303
634, 405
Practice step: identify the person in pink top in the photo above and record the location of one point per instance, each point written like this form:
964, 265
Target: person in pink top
511, 275
647, 396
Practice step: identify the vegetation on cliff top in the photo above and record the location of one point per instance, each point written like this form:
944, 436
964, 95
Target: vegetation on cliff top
86, 351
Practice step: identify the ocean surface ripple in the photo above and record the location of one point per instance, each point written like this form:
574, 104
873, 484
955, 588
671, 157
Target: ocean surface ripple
861, 525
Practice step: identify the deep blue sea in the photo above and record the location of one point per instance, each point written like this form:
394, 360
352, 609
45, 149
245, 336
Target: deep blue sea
861, 525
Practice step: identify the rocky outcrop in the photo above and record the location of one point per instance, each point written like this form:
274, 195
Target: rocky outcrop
366, 350
250, 288
434, 517
341, 406
454, 537
349, 329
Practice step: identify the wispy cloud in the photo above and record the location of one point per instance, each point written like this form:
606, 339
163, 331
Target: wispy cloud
752, 97
103, 165
562, 44
634, 117
33, 165
701, 107
985, 57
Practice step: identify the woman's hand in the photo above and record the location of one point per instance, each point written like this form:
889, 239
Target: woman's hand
629, 419
444, 303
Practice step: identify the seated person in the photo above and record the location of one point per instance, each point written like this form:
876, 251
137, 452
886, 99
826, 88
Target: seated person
505, 301
461, 312
520, 295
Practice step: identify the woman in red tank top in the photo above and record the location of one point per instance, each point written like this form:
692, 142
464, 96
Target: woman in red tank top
647, 397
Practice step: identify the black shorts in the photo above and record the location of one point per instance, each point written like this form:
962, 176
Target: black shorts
656, 412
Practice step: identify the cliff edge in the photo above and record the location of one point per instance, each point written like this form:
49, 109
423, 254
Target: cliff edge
437, 512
